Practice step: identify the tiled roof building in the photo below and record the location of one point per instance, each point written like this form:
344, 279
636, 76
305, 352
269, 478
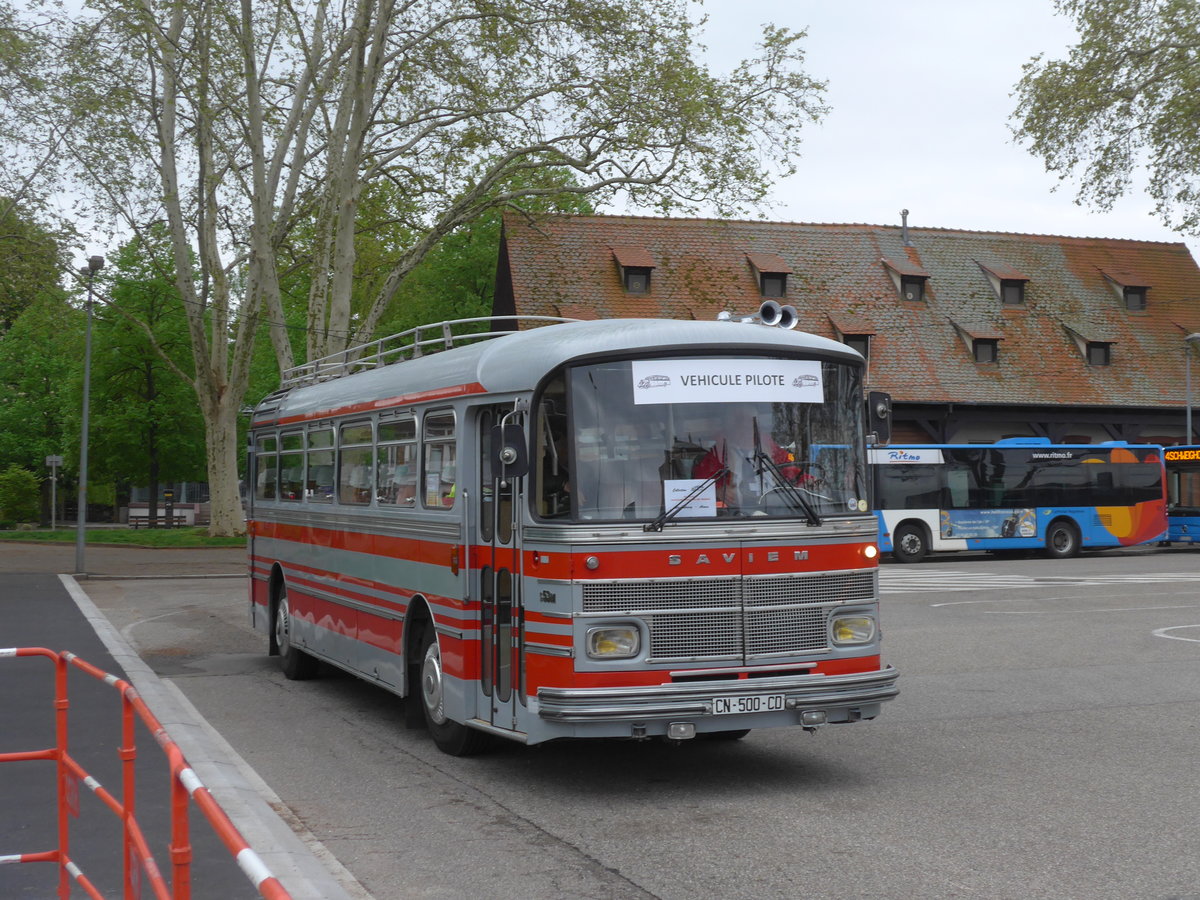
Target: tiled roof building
975, 335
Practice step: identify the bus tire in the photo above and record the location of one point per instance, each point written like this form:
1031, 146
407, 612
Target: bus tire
294, 662
1062, 540
909, 543
450, 737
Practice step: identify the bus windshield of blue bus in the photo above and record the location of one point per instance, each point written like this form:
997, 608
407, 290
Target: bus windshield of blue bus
688, 439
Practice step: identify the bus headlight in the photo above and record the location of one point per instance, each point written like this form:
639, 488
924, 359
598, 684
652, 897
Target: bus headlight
853, 630
613, 642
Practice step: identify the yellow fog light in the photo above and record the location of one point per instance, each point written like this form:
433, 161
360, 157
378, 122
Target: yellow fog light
853, 630
613, 642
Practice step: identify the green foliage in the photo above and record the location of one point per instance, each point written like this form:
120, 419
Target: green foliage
41, 360
141, 537
31, 259
20, 497
457, 278
146, 428
1126, 97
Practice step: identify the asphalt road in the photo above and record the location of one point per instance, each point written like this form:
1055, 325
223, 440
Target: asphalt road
1043, 746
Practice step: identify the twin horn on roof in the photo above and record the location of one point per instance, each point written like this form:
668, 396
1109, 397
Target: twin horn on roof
770, 313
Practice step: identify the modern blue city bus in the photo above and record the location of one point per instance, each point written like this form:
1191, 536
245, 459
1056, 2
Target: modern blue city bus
1183, 493
1017, 494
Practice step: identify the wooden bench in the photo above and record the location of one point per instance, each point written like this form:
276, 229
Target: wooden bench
157, 521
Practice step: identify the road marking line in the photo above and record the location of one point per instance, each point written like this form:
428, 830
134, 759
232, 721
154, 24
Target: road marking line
1039, 612
1162, 633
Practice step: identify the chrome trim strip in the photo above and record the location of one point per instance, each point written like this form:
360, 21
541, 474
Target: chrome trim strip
585, 532
405, 523
683, 673
481, 725
448, 632
695, 698
361, 606
549, 650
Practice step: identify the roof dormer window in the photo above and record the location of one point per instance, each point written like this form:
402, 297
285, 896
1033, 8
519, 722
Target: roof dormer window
1012, 292
637, 280
859, 342
1007, 283
771, 272
981, 339
773, 284
986, 350
912, 287
635, 265
1133, 288
1099, 353
908, 277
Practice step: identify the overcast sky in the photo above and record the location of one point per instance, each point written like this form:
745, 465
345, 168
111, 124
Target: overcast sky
921, 98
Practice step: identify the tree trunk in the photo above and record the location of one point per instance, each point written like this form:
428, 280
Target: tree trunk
220, 430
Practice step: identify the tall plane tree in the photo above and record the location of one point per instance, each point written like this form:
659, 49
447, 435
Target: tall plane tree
1125, 98
237, 120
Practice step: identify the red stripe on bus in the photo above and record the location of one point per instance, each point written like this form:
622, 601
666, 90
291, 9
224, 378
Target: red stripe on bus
457, 390
651, 563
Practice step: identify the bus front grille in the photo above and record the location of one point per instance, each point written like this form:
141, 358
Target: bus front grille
733, 618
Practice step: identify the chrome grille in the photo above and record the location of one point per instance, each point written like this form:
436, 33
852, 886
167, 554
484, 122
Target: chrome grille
739, 618
627, 596
824, 587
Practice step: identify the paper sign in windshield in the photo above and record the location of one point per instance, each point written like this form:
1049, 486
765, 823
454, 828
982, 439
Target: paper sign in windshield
703, 504
727, 381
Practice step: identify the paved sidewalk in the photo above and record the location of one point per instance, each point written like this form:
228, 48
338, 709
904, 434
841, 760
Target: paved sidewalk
37, 557
40, 609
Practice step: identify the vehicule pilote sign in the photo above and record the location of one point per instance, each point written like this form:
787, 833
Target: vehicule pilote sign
727, 381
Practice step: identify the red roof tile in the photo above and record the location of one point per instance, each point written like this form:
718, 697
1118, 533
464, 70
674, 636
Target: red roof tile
917, 353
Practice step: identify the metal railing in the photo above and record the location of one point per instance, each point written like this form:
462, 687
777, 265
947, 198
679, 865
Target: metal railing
410, 344
139, 862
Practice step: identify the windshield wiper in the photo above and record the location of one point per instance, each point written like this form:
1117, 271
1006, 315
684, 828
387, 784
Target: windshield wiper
790, 491
667, 514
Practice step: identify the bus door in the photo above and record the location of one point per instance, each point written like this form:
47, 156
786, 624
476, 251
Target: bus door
498, 575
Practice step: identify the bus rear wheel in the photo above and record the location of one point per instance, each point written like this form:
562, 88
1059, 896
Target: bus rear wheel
294, 662
1062, 540
909, 544
449, 736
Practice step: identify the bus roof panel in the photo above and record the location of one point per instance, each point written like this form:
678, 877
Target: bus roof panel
517, 362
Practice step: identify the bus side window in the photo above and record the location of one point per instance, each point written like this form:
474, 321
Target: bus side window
397, 474
291, 467
441, 460
356, 463
554, 489
266, 466
318, 488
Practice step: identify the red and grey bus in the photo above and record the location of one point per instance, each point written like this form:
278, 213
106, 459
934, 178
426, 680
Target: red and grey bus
525, 531
1018, 494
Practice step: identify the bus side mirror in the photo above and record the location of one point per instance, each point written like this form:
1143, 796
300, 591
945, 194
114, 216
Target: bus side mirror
510, 456
879, 418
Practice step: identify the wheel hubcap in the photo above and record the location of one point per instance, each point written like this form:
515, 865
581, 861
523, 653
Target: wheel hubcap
431, 684
281, 624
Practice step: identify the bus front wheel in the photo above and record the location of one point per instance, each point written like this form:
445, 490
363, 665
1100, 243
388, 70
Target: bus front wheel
294, 662
909, 544
1062, 540
450, 736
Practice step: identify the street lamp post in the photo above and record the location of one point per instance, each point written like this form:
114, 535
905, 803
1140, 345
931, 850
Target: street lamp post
94, 265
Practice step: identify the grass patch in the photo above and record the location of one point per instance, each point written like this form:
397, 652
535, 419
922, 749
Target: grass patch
141, 537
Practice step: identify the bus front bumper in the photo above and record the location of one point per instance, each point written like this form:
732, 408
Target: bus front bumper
801, 693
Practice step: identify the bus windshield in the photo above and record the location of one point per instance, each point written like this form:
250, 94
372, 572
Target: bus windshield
679, 440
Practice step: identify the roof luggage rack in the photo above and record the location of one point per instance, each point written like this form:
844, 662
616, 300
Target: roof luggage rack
410, 344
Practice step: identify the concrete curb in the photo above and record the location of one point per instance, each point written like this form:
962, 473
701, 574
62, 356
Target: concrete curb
293, 854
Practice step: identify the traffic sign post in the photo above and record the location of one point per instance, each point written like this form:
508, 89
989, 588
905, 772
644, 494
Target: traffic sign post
53, 462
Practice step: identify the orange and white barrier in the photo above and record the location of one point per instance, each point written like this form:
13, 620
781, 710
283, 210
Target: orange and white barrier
140, 868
